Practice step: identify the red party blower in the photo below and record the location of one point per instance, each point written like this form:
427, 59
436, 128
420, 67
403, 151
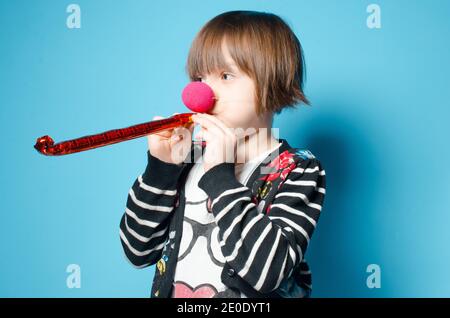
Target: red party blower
197, 96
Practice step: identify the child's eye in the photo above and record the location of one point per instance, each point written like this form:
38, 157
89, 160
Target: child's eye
227, 76
197, 79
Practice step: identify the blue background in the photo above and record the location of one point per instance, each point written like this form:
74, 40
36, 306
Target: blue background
378, 124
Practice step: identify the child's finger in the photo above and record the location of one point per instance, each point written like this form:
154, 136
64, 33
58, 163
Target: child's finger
190, 127
181, 133
207, 124
220, 124
175, 138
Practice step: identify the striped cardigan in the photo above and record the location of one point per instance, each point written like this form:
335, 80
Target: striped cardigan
265, 226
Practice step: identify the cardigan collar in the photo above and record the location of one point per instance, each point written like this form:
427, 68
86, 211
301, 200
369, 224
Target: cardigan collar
197, 151
269, 158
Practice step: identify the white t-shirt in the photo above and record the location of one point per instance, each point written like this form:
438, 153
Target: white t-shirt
200, 260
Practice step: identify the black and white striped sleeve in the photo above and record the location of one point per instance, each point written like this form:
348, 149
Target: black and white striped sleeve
151, 199
263, 249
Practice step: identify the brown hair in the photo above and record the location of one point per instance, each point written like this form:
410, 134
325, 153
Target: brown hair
263, 46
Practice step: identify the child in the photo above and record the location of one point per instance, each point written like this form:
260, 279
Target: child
237, 220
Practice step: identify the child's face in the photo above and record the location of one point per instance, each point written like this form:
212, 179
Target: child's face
235, 93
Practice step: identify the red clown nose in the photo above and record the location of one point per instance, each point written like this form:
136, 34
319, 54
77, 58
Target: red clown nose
198, 97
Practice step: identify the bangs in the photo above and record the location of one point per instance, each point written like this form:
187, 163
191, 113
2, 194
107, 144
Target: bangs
206, 53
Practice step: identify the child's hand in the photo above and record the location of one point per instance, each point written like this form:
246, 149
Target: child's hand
220, 140
171, 146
